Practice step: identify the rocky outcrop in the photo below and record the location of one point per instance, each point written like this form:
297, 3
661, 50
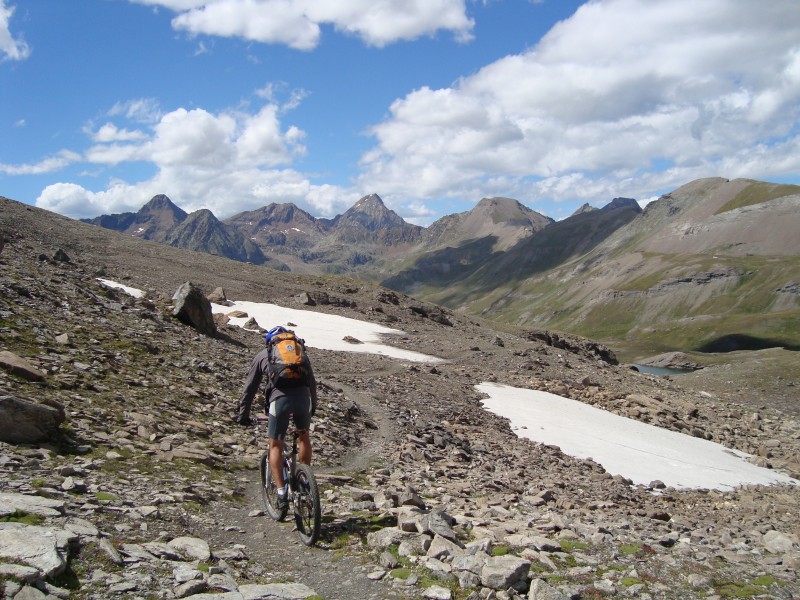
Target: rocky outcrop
194, 309
672, 360
574, 344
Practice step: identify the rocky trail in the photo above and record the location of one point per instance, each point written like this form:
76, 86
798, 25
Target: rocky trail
122, 475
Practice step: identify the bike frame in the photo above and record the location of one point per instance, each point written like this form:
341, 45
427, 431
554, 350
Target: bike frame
290, 460
303, 493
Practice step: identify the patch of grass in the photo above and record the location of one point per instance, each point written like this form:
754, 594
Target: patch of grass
375, 523
567, 561
539, 568
23, 517
241, 466
759, 192
630, 549
629, 581
739, 590
192, 506
568, 545
400, 573
105, 497
745, 589
341, 541
501, 550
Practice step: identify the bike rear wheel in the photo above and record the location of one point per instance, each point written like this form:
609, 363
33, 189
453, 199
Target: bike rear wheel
307, 512
269, 493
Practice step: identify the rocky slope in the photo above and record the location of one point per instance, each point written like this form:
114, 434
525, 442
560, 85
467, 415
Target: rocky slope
149, 491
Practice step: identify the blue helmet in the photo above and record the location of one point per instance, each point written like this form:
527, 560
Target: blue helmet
273, 332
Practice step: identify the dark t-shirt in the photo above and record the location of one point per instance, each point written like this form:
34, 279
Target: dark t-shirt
258, 371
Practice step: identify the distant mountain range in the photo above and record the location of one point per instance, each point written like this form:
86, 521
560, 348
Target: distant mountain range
714, 264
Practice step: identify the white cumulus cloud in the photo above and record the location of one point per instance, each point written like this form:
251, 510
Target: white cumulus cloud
699, 85
297, 23
47, 165
13, 48
227, 162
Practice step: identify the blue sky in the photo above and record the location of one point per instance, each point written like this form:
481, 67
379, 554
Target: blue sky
432, 104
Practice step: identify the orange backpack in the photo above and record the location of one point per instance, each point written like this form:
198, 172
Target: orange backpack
287, 364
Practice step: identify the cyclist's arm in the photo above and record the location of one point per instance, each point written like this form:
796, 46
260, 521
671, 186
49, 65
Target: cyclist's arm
312, 386
254, 376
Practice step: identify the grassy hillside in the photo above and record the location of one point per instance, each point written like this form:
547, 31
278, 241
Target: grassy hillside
714, 266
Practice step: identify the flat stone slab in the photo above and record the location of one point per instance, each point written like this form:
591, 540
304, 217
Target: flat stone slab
19, 366
37, 549
34, 505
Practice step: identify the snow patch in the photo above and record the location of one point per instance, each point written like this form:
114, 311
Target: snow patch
128, 290
325, 331
641, 452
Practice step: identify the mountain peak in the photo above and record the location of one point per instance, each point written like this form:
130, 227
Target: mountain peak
623, 203
370, 219
586, 208
159, 201
371, 198
202, 215
370, 204
370, 210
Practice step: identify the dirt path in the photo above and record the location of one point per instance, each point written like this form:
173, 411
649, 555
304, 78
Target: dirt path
374, 441
274, 549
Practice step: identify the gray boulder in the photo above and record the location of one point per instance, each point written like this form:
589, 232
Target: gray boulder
19, 366
25, 422
776, 542
194, 309
503, 572
218, 297
36, 547
541, 590
192, 547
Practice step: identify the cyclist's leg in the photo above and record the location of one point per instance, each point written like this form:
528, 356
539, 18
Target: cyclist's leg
278, 423
302, 420
304, 451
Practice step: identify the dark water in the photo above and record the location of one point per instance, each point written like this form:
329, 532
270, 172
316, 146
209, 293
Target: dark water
661, 371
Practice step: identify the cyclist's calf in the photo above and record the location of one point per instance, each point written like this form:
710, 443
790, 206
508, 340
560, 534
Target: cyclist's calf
304, 447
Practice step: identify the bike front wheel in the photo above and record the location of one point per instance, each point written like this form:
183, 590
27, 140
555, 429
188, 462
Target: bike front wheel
269, 493
307, 512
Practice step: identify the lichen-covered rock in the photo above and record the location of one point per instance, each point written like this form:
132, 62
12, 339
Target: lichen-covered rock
25, 422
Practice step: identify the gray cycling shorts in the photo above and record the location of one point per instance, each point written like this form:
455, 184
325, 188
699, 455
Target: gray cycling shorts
294, 403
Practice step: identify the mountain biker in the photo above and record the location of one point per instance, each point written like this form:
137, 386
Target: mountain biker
299, 401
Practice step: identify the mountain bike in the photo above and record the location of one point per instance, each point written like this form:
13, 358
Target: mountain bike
303, 494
